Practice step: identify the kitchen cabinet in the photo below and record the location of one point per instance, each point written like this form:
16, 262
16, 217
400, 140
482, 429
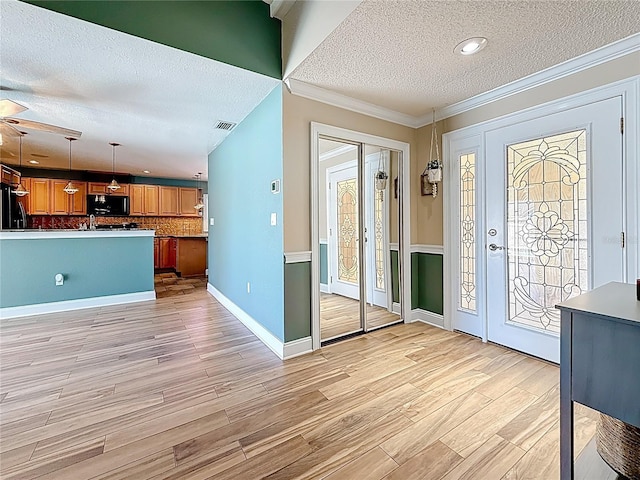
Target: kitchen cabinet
151, 200
188, 199
38, 196
168, 201
100, 188
61, 203
25, 200
191, 256
165, 253
144, 200
10, 176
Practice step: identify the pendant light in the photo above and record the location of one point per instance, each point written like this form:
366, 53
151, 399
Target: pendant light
20, 191
70, 188
113, 186
200, 205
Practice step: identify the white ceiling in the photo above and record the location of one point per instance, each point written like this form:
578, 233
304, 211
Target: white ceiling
160, 103
398, 54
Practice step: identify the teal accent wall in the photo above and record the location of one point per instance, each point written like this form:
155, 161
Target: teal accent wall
240, 33
297, 301
426, 282
243, 246
93, 267
324, 264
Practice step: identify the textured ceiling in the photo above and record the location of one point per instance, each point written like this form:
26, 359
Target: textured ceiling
399, 54
160, 103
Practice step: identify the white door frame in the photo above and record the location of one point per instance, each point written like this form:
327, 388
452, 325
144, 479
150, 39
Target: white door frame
629, 89
318, 130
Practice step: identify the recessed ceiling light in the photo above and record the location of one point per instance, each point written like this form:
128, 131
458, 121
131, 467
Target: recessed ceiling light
471, 46
146, 171
34, 162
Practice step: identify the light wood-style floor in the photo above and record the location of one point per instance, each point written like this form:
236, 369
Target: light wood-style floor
178, 388
341, 315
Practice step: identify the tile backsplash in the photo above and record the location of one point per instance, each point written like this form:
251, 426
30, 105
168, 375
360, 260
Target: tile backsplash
162, 225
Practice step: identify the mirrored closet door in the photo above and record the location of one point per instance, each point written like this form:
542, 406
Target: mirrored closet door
358, 226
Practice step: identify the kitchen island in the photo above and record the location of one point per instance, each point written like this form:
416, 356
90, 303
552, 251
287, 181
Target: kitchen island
98, 268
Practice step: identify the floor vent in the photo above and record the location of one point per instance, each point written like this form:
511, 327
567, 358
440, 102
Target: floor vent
225, 125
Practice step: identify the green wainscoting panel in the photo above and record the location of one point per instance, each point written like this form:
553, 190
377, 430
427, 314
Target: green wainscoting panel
426, 282
395, 277
324, 264
297, 301
239, 33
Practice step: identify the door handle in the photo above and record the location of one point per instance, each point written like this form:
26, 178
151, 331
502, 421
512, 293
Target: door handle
493, 247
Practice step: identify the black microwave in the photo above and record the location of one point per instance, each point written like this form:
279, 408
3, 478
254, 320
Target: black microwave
107, 205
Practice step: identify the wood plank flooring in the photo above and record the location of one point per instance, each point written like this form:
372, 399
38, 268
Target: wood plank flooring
341, 315
170, 285
179, 388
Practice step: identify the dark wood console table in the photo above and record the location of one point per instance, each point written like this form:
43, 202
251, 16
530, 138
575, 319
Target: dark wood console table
599, 360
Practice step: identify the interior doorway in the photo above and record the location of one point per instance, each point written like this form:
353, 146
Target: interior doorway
359, 229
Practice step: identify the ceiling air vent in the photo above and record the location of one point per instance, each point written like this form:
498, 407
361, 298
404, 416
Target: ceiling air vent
225, 125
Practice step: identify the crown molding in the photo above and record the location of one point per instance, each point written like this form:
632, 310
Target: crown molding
590, 59
323, 95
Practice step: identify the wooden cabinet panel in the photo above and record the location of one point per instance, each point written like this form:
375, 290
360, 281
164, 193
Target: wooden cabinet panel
167, 253
188, 199
39, 196
156, 253
26, 200
136, 199
168, 201
191, 257
59, 202
151, 200
78, 201
100, 188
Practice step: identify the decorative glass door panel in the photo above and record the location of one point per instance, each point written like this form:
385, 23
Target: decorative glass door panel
553, 218
546, 227
467, 298
347, 230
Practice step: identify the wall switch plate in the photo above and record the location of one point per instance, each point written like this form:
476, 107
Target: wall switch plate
248, 287
274, 219
211, 221
275, 186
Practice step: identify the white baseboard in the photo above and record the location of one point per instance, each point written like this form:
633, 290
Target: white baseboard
420, 315
395, 308
68, 305
324, 288
297, 348
282, 350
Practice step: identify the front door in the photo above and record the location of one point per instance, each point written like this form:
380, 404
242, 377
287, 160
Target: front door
554, 217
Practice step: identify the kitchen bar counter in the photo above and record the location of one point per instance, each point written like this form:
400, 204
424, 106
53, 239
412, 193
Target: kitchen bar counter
98, 267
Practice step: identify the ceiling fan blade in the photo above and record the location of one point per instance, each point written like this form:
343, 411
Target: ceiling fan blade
8, 129
9, 107
44, 127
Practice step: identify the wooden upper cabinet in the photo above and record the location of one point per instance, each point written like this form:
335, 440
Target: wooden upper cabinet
39, 196
26, 200
188, 199
168, 201
100, 188
61, 203
136, 200
78, 201
151, 200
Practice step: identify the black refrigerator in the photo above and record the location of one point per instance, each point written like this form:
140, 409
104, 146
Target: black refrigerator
13, 214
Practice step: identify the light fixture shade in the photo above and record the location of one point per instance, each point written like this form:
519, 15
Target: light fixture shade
199, 205
70, 188
113, 186
20, 191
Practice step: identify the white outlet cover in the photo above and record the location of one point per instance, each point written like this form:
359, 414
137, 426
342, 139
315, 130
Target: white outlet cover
274, 219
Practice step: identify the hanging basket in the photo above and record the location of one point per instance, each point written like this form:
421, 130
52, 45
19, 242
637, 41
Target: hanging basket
381, 180
435, 175
618, 444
